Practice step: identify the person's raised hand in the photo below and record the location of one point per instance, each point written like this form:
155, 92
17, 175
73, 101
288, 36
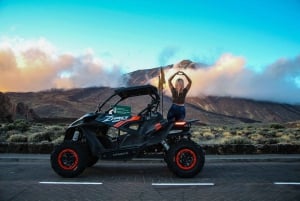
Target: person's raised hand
180, 73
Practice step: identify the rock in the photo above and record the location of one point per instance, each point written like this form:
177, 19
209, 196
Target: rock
6, 108
24, 112
10, 111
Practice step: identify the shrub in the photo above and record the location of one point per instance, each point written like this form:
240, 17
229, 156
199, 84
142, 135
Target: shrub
265, 130
47, 135
276, 126
257, 138
196, 133
9, 127
17, 138
55, 135
233, 132
237, 140
2, 128
208, 135
58, 140
226, 134
287, 138
240, 132
5, 136
55, 128
39, 137
20, 124
270, 134
272, 141
12, 132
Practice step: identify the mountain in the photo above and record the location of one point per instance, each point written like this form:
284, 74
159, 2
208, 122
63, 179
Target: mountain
218, 110
73, 103
261, 111
69, 103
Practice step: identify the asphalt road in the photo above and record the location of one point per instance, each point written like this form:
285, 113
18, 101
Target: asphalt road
223, 178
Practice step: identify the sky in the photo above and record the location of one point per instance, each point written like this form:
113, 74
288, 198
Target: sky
251, 48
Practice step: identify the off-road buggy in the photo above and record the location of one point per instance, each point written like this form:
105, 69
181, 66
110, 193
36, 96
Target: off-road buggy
117, 134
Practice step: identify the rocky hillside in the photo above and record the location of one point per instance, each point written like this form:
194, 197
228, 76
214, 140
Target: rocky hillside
208, 109
62, 103
213, 109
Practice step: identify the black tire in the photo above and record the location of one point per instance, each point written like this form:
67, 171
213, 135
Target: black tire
185, 158
92, 161
69, 159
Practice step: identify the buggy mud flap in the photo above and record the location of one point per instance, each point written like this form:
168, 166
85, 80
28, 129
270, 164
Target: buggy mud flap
95, 146
162, 134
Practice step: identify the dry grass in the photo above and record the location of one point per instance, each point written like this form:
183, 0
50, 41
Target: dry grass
31, 132
288, 133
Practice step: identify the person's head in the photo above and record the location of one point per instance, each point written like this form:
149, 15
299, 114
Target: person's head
179, 84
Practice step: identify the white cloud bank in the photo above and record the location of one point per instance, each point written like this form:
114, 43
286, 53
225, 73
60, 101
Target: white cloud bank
279, 82
33, 65
36, 65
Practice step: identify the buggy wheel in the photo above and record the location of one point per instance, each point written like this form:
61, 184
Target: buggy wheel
185, 158
69, 159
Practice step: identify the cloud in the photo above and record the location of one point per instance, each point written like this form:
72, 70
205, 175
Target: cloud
229, 76
33, 65
166, 54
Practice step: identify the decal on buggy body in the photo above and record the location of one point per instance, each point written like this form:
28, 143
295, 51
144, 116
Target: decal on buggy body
114, 119
120, 123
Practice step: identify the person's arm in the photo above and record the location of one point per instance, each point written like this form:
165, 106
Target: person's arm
189, 81
170, 81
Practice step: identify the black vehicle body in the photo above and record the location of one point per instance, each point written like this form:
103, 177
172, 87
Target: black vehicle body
116, 133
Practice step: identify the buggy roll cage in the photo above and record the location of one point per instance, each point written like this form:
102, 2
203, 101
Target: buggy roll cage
127, 92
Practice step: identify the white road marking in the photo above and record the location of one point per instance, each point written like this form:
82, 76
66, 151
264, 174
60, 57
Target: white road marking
70, 183
183, 184
287, 183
